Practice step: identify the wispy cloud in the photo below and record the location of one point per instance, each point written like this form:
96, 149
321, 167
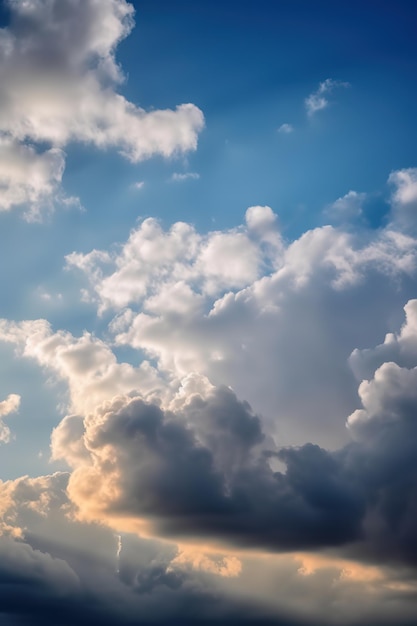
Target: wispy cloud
139, 184
179, 178
346, 207
286, 129
318, 100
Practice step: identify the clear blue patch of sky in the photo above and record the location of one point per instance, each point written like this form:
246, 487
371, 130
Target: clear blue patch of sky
249, 66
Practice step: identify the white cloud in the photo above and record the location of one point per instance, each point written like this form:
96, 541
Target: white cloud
153, 260
180, 178
318, 100
30, 178
59, 85
139, 185
347, 207
406, 185
404, 198
286, 129
246, 309
10, 405
85, 363
400, 348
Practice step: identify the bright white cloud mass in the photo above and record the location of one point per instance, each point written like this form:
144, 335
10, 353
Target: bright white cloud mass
214, 417
59, 82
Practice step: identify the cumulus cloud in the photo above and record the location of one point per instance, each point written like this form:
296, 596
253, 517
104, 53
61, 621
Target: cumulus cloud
319, 99
87, 364
205, 471
404, 197
399, 348
192, 461
241, 307
153, 258
230, 303
200, 473
59, 85
10, 405
29, 178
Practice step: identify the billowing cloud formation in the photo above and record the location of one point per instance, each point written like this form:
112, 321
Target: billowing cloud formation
318, 100
191, 461
10, 405
200, 473
58, 77
178, 260
204, 471
85, 363
230, 304
169, 449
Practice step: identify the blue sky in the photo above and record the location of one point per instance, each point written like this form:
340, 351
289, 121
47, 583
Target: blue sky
208, 324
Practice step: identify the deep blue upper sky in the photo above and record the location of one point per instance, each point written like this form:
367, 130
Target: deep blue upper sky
249, 66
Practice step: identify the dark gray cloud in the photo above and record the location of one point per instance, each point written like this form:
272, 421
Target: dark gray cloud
205, 471
61, 571
211, 478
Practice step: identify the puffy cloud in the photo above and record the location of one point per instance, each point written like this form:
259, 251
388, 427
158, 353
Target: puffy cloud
59, 82
241, 307
204, 470
318, 100
10, 405
404, 197
287, 325
153, 261
406, 182
85, 363
400, 348
30, 178
193, 466
202, 473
